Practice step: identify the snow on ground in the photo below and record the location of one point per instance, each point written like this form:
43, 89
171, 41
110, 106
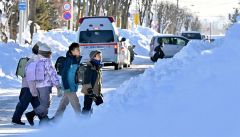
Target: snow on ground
9, 98
194, 94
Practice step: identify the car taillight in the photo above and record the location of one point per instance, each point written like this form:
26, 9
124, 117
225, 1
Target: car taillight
81, 20
116, 49
111, 19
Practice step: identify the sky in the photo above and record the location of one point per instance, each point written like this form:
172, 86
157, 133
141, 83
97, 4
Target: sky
209, 8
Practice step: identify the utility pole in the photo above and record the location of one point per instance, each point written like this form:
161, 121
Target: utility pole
22, 8
210, 31
87, 8
177, 4
72, 12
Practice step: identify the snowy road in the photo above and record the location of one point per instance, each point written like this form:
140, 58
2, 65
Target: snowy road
9, 97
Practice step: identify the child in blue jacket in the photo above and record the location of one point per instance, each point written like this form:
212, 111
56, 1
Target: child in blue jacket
70, 87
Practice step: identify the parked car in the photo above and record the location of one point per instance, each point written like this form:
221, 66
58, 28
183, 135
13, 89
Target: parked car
100, 33
166, 46
192, 35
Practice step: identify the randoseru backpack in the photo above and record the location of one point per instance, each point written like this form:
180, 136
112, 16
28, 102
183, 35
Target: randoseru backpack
79, 77
21, 67
60, 64
35, 71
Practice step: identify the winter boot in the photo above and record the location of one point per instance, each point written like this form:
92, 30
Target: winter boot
44, 120
18, 122
87, 113
30, 117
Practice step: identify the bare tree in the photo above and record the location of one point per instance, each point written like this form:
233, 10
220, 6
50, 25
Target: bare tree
99, 6
144, 8
171, 19
150, 13
10, 12
125, 5
196, 25
32, 15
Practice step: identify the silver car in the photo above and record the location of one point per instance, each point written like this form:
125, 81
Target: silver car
166, 46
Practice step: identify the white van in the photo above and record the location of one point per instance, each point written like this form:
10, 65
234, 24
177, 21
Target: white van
100, 33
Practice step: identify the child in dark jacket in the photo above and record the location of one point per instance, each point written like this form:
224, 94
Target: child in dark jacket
27, 96
70, 87
92, 82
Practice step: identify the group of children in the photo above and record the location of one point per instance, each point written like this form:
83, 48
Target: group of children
40, 76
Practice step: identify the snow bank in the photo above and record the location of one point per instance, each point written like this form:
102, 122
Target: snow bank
194, 94
141, 37
10, 54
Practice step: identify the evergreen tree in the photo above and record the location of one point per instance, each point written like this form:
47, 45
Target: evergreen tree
47, 15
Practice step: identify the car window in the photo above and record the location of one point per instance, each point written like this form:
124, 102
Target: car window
179, 41
165, 40
192, 35
96, 36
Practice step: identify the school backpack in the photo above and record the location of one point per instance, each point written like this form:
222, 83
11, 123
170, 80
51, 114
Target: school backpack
35, 71
60, 64
20, 71
79, 77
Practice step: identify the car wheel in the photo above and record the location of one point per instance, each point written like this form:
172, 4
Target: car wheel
116, 66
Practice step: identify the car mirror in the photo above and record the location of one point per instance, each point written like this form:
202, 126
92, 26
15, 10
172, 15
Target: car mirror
123, 39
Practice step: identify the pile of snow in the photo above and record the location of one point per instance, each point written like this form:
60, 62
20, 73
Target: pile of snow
58, 40
10, 54
196, 93
140, 37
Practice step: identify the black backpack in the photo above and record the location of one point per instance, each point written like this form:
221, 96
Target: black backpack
60, 64
79, 77
20, 71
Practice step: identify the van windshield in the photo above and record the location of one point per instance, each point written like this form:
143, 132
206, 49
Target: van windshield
192, 35
96, 36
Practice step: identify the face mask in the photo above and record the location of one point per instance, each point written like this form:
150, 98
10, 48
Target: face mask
97, 62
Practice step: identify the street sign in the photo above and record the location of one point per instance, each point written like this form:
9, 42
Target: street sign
22, 6
67, 6
67, 15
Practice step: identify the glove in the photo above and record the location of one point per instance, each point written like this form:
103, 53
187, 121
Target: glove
59, 92
99, 100
96, 98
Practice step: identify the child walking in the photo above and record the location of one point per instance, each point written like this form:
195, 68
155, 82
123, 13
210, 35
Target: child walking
27, 95
92, 85
70, 87
49, 79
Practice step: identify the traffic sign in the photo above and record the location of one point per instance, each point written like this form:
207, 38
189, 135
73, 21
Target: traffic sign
67, 15
22, 6
67, 6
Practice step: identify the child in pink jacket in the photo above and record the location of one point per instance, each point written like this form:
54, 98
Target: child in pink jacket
47, 78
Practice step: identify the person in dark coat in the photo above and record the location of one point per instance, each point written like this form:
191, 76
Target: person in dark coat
92, 84
26, 97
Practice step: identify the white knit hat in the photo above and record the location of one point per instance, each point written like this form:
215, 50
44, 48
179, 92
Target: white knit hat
44, 47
